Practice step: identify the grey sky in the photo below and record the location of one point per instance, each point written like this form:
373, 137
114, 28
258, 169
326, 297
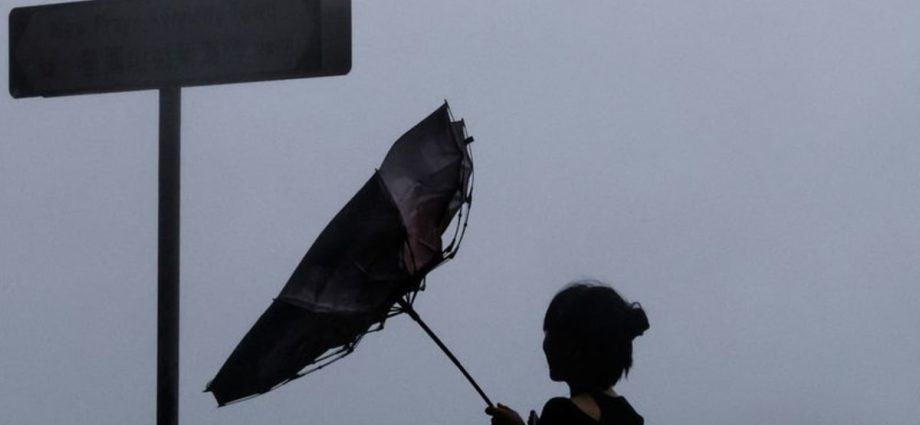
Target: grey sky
746, 170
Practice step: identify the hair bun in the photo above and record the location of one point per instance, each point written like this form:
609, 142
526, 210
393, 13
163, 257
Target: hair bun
636, 320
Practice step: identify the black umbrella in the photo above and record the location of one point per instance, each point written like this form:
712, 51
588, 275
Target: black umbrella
367, 265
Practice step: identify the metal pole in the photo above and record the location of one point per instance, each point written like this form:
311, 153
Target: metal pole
406, 307
168, 260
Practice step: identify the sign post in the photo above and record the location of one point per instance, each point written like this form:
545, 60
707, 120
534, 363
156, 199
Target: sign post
168, 258
103, 46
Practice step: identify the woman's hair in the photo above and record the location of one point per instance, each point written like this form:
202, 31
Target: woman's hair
589, 332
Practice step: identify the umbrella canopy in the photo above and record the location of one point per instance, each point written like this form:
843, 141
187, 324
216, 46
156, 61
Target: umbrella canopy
367, 264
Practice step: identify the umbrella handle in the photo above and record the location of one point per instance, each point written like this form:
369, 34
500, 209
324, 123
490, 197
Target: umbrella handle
407, 308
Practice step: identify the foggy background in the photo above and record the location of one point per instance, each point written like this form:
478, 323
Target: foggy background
747, 170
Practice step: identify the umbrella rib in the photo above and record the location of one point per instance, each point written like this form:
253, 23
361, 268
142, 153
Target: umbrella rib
412, 313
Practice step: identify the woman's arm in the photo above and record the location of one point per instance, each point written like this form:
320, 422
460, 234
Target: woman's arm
504, 415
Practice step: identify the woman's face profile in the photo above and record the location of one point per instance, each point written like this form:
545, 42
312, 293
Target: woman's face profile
550, 358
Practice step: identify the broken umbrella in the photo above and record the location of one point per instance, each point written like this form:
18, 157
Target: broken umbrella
366, 266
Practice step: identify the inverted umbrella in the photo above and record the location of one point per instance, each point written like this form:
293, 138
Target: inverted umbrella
367, 265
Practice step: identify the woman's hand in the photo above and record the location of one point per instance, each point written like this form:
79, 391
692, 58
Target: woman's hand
504, 415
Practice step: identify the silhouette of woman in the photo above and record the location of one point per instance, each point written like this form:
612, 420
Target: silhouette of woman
588, 333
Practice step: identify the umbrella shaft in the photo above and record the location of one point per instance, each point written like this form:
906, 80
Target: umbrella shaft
406, 307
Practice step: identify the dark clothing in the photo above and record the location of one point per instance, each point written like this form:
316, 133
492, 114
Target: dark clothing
614, 411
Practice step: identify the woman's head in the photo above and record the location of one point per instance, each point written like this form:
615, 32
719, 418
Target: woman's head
589, 331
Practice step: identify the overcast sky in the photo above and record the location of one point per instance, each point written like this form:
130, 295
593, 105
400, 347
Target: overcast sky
747, 170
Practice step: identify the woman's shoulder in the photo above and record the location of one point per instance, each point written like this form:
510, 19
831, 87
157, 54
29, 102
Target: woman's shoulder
561, 410
618, 409
558, 410
558, 404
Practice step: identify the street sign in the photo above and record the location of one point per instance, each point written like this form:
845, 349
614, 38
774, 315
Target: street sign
118, 45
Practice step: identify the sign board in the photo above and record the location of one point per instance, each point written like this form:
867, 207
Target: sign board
118, 45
